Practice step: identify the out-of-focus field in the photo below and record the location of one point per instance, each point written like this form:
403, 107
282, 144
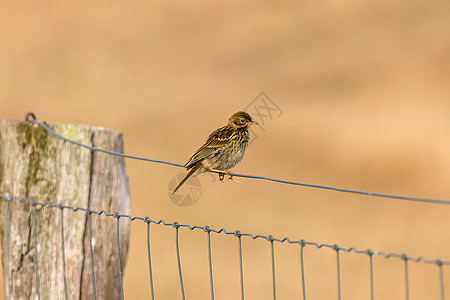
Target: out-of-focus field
364, 92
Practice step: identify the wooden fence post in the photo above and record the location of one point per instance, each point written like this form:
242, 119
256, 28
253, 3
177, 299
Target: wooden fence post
37, 165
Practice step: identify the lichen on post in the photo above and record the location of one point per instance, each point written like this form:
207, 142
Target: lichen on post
37, 165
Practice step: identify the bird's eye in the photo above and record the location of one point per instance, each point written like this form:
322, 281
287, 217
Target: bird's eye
242, 120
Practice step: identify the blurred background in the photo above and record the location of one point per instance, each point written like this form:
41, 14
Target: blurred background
363, 95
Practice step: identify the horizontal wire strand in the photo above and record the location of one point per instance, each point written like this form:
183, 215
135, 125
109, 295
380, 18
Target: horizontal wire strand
223, 230
318, 186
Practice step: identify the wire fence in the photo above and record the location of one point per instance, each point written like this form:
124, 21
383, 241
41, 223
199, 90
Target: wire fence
301, 243
208, 230
31, 118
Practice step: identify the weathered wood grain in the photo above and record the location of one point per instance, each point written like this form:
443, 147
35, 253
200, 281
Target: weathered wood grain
35, 164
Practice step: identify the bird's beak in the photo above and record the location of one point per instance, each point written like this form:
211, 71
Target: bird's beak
253, 123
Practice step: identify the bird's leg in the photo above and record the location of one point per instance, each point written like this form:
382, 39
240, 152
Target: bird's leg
230, 177
228, 174
221, 176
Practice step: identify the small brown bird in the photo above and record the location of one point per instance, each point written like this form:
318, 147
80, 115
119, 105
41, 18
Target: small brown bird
224, 148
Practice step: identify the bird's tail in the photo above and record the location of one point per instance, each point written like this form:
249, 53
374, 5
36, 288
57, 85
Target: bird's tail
191, 172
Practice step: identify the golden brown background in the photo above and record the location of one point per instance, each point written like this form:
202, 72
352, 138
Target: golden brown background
364, 89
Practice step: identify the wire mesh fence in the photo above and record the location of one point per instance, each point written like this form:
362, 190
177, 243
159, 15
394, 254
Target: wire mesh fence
301, 244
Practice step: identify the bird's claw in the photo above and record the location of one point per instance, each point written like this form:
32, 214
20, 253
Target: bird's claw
222, 176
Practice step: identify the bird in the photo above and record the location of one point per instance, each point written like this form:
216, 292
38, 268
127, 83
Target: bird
223, 149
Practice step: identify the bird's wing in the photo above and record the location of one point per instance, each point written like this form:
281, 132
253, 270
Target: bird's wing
216, 140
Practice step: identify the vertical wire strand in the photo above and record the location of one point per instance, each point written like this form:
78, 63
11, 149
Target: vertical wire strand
38, 290
63, 252
441, 279
338, 267
150, 260
406, 277
118, 254
302, 269
94, 291
210, 266
371, 275
241, 272
6, 250
179, 263
273, 271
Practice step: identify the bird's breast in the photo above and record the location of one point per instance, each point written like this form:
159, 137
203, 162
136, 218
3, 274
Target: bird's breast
226, 158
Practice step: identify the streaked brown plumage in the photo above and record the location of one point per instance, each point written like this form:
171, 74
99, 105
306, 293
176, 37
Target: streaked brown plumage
224, 148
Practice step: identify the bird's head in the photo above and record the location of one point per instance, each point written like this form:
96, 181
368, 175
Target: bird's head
241, 119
